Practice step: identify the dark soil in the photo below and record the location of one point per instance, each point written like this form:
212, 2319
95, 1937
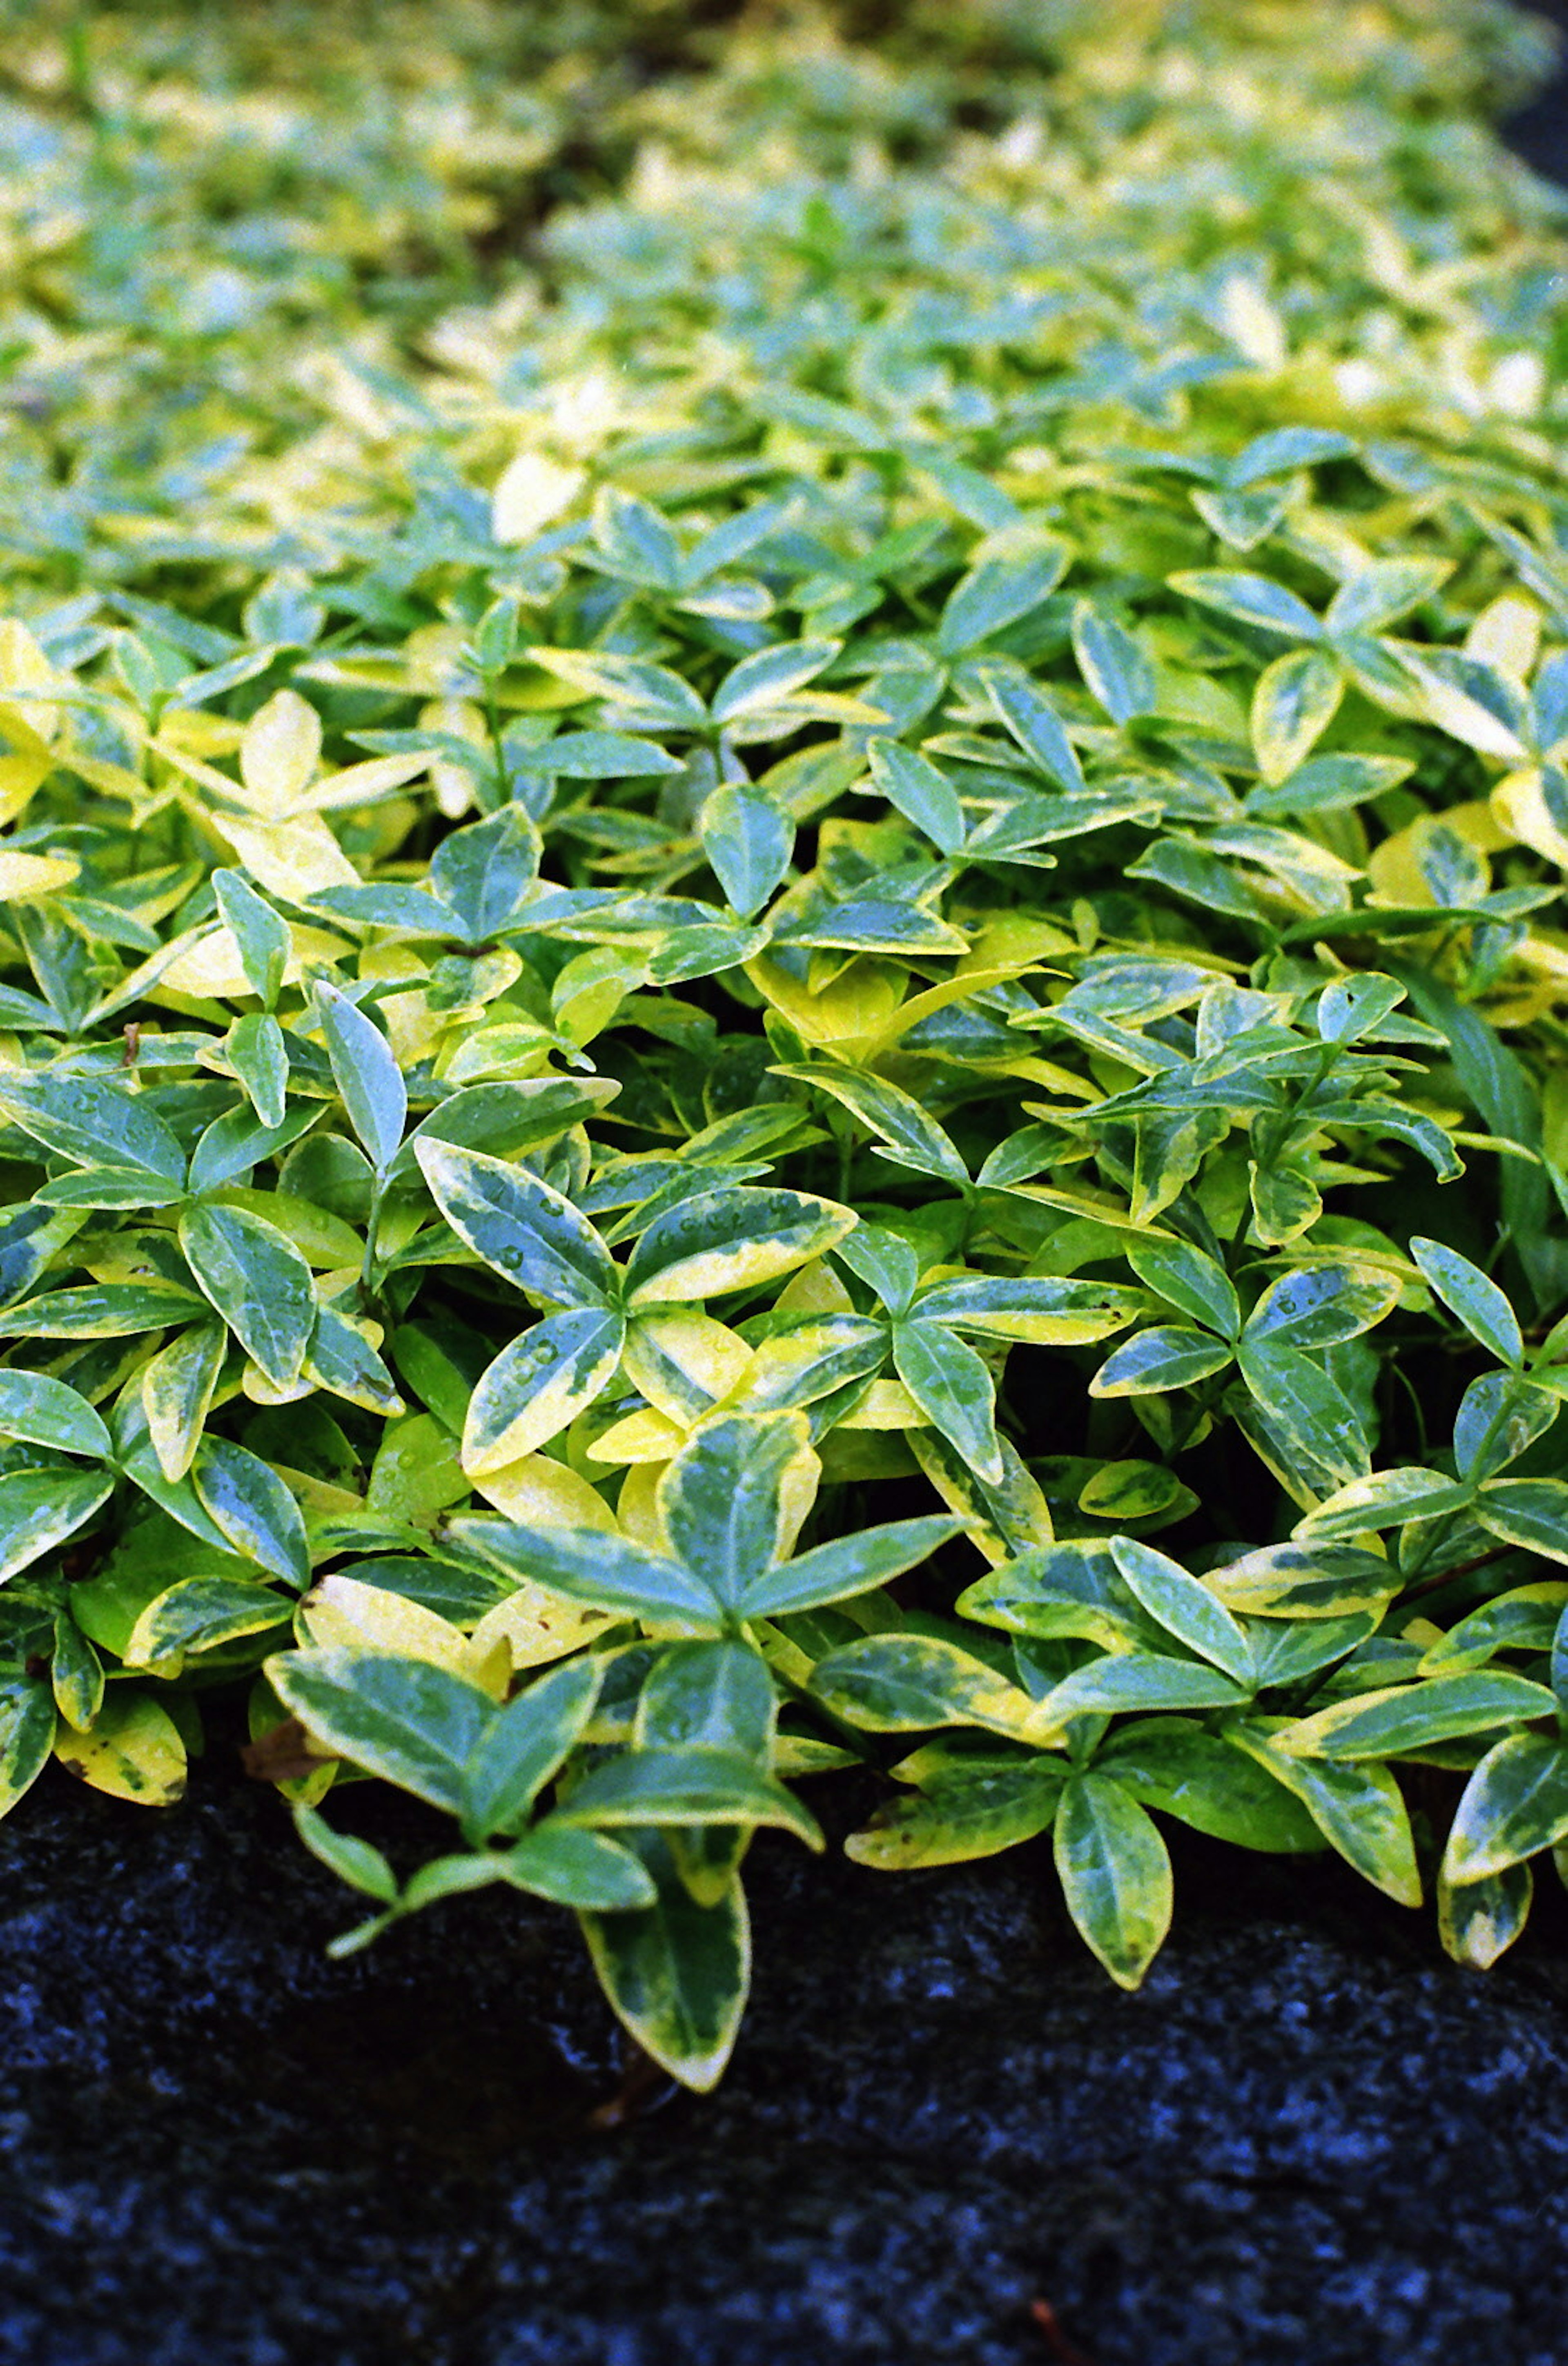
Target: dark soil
945, 2140
1540, 132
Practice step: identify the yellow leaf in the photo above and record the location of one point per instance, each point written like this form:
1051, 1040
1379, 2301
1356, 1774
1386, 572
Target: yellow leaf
1506, 634
646, 1437
20, 776
685, 1363
637, 1510
1519, 806
211, 967
377, 777
533, 491
22, 876
815, 1289
280, 750
27, 715
540, 1492
527, 1630
322, 1239
453, 782
886, 1404
134, 1751
292, 860
343, 1610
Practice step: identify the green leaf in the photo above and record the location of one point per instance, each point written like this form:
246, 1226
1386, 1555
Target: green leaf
249, 1503
962, 1817
355, 1861
1359, 1810
1479, 1304
1513, 1804
571, 1867
995, 594
884, 1260
1071, 1588
1035, 723
723, 1240
520, 1226
1528, 1511
76, 1675
38, 1411
107, 1310
39, 1509
543, 1380
177, 1387
914, 787
905, 1684
749, 841
1184, 1607
769, 677
525, 1744
92, 1123
716, 1695
1115, 1875
1114, 664
1296, 701
1477, 1920
259, 1056
1385, 1499
262, 936
636, 539
677, 1973
850, 1565
256, 1279
1250, 600
1191, 1280
1140, 1681
1048, 1314
902, 1127
1356, 1005
687, 1786
196, 1613
1165, 1357
483, 873
410, 1722
723, 1499
1379, 594
1173, 1765
1524, 1620
366, 1074
27, 1734
587, 1565
952, 1388
1319, 1305
235, 1143
1306, 1417
1399, 1718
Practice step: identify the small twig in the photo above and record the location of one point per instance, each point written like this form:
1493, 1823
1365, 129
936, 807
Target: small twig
1065, 2353
1461, 1569
642, 2090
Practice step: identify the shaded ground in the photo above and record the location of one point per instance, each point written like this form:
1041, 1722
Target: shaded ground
1309, 2138
1540, 133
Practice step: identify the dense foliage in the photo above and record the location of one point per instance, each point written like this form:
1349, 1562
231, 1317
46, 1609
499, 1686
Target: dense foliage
786, 811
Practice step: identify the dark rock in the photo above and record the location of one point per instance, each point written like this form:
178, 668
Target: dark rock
945, 2141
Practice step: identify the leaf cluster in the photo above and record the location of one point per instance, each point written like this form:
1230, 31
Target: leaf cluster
782, 971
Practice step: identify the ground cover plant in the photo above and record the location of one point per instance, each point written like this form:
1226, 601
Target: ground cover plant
785, 807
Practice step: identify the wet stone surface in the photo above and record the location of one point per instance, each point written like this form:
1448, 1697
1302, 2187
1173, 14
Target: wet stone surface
1308, 2139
